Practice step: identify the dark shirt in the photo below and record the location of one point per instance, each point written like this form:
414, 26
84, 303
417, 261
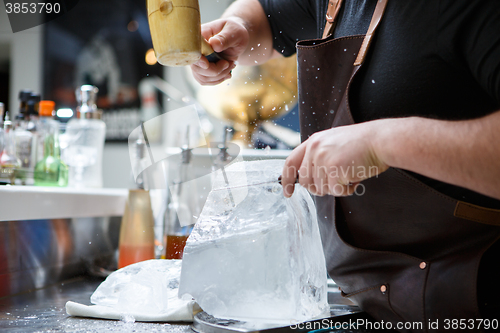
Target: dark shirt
430, 58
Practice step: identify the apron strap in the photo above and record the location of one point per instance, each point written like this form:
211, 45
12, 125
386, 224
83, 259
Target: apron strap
475, 213
331, 16
377, 17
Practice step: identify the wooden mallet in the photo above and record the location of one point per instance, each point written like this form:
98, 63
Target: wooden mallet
176, 32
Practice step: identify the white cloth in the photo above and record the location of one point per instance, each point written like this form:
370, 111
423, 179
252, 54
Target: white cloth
144, 291
184, 314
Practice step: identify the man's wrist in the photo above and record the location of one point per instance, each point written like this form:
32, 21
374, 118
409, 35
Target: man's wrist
391, 140
381, 143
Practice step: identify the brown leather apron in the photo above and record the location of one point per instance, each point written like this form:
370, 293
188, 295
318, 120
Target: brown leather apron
402, 251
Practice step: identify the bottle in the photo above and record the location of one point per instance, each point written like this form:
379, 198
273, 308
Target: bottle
182, 205
46, 125
2, 110
50, 170
139, 151
9, 163
137, 238
33, 106
24, 95
142, 179
25, 136
85, 135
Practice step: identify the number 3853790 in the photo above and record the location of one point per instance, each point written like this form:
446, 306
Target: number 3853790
32, 8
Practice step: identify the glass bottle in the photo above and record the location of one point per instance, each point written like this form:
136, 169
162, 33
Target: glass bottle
50, 170
25, 132
85, 135
33, 107
46, 125
2, 110
9, 163
182, 205
137, 229
24, 95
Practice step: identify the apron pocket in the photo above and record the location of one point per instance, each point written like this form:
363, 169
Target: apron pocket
378, 302
390, 286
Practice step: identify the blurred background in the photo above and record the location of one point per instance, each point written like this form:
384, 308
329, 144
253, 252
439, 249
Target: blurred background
107, 44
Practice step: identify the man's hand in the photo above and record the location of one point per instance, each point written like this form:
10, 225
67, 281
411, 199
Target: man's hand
228, 37
242, 34
463, 153
334, 161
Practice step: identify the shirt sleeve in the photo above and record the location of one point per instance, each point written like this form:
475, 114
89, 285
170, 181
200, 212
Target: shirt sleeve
470, 34
290, 21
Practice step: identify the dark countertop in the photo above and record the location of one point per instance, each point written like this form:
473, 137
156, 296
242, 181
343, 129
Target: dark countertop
44, 310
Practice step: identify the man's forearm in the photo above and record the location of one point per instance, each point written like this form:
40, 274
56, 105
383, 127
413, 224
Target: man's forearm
252, 15
463, 153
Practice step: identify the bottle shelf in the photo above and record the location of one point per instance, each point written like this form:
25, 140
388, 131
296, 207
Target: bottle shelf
35, 202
